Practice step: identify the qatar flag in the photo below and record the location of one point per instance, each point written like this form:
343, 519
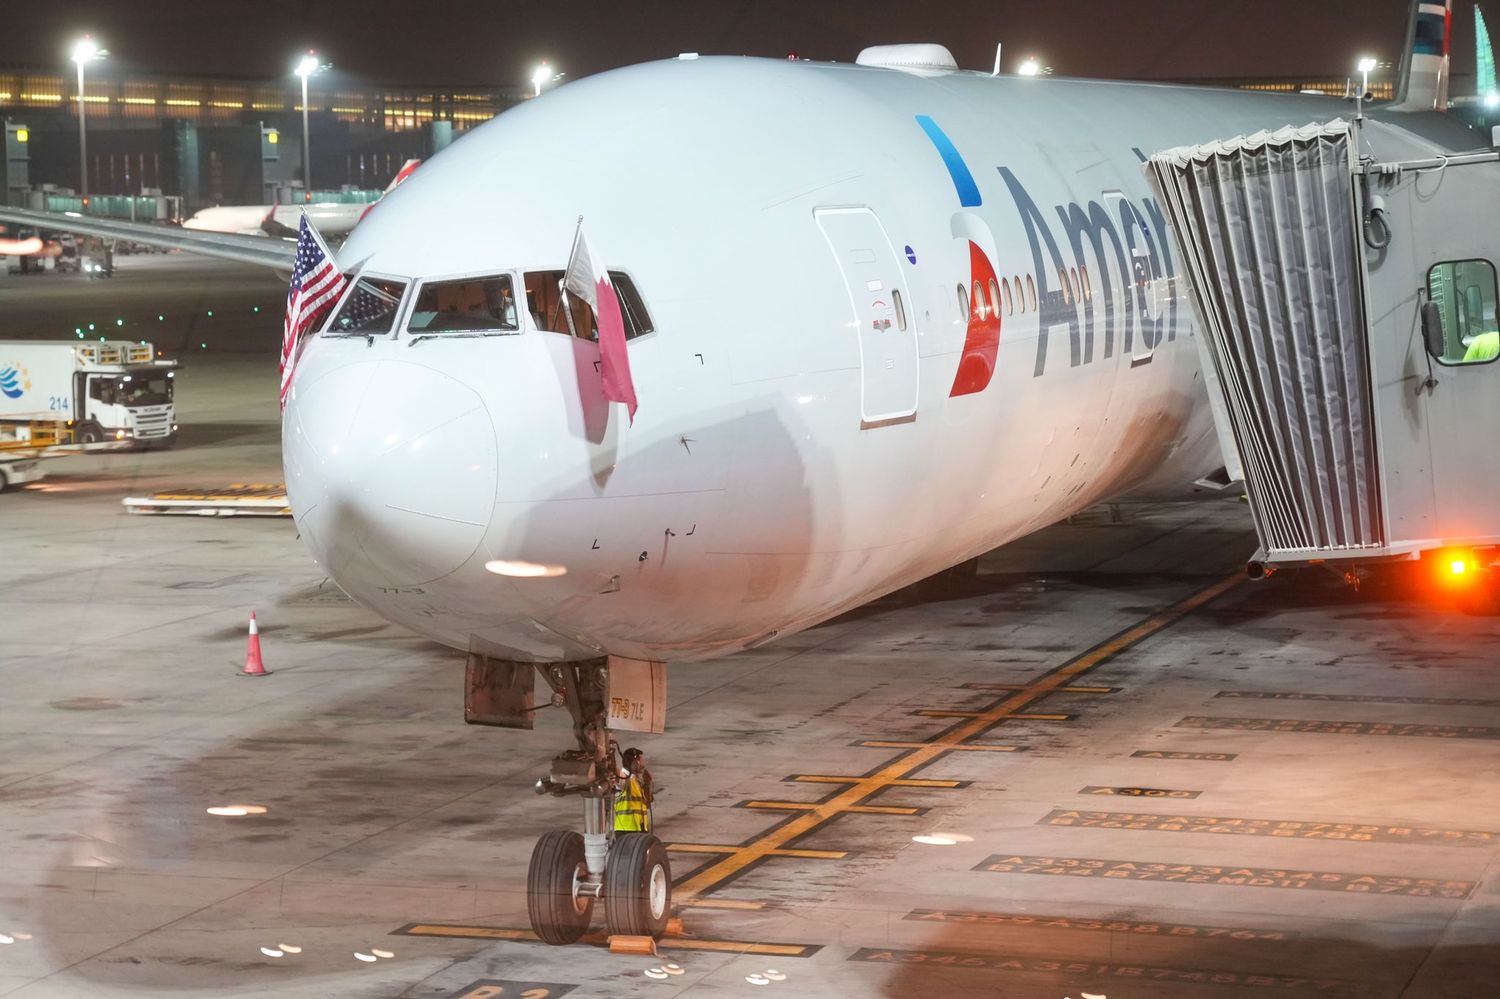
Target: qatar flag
590, 282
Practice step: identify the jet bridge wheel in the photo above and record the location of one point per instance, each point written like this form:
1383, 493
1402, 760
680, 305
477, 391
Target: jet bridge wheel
559, 914
637, 886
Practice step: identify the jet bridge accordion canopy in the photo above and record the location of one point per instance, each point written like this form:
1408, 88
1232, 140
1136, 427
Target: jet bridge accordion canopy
1268, 228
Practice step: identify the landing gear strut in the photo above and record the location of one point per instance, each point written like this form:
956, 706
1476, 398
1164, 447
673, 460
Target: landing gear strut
569, 871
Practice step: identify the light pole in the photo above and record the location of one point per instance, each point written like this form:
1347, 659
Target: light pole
85, 50
1365, 65
1030, 67
542, 74
305, 68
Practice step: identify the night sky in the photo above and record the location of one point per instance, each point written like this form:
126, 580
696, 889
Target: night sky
407, 41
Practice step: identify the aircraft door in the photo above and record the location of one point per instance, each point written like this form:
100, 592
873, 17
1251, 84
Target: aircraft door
881, 313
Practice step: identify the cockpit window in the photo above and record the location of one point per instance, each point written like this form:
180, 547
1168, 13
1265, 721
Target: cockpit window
470, 305
637, 320
547, 302
370, 309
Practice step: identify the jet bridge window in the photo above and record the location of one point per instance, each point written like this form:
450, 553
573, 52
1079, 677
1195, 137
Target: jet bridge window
1464, 293
369, 310
547, 302
468, 305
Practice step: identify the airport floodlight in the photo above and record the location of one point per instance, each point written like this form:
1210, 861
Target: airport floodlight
1365, 65
542, 74
307, 66
85, 51
1030, 67
1492, 100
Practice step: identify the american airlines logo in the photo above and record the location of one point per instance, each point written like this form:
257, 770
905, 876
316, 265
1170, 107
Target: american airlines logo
1131, 252
1125, 244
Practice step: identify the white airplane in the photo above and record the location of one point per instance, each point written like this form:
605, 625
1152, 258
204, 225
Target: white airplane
885, 317
332, 218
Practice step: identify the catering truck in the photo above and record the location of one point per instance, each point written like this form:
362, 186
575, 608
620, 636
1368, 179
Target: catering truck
87, 393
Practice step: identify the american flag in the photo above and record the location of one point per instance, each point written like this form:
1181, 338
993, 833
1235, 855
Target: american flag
316, 285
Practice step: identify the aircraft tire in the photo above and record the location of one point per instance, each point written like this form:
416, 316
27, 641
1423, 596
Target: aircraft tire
559, 915
637, 886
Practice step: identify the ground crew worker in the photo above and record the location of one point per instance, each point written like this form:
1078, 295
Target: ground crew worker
1483, 347
633, 801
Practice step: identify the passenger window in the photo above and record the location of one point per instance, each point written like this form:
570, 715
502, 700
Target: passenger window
963, 302
1030, 293
370, 309
900, 309
471, 305
1067, 289
1077, 285
1083, 279
1010, 303
995, 297
1022, 303
1464, 294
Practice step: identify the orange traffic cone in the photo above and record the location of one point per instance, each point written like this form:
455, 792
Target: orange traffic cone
253, 665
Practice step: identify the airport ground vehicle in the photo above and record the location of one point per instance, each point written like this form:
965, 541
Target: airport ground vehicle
13, 472
88, 393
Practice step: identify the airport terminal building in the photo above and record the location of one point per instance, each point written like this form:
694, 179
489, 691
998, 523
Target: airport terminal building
210, 140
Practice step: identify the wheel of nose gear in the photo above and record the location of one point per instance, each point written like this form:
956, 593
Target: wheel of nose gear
559, 915
637, 886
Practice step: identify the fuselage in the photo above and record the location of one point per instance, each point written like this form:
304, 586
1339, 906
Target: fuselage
833, 402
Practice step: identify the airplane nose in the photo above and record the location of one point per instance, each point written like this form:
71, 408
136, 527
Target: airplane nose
391, 471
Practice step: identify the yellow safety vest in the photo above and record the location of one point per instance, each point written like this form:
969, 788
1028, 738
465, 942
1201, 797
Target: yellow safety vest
1483, 347
631, 812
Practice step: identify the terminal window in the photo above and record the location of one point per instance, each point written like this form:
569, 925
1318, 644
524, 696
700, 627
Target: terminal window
1465, 293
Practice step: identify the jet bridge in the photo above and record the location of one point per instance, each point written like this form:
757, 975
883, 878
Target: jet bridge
1344, 281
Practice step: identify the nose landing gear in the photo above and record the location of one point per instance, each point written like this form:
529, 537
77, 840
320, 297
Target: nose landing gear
569, 871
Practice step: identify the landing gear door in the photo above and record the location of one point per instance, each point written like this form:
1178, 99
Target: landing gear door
880, 313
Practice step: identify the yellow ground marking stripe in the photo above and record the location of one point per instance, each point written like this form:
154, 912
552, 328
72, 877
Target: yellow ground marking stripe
1059, 690
600, 939
938, 713
906, 782
784, 852
737, 947
973, 747
925, 753
723, 903
467, 932
799, 806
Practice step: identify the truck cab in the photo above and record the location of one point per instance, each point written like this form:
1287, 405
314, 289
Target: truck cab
123, 393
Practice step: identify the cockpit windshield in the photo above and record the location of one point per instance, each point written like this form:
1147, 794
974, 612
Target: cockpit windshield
370, 309
469, 305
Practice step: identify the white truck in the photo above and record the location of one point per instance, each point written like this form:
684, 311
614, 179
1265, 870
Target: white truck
87, 393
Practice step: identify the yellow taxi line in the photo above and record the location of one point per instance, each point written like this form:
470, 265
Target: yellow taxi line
814, 816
